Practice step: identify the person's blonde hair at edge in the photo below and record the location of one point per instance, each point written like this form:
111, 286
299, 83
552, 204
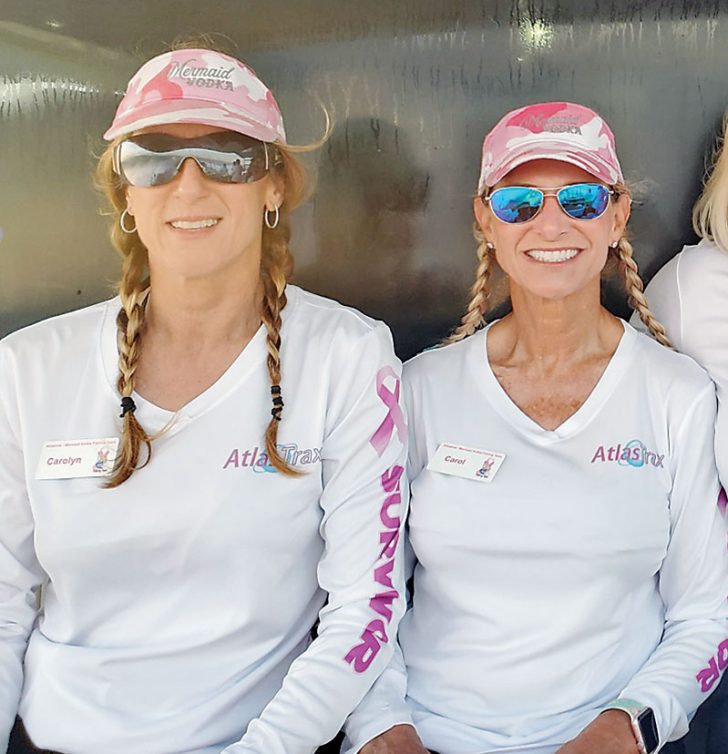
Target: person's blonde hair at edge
710, 213
134, 286
620, 258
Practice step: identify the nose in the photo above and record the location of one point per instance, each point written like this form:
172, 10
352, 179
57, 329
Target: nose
190, 181
552, 220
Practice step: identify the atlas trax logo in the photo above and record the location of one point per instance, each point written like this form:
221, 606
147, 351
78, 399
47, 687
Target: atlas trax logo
257, 459
633, 453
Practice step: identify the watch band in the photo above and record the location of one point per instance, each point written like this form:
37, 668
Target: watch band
634, 710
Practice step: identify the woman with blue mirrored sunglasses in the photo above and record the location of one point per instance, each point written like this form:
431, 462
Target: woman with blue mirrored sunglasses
569, 560
519, 204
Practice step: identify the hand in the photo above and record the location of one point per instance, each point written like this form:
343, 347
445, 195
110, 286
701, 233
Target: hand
609, 733
401, 739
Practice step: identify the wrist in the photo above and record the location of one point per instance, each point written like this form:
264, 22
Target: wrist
399, 738
620, 725
642, 722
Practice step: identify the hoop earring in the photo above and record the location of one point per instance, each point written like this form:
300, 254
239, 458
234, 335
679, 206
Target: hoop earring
276, 220
125, 214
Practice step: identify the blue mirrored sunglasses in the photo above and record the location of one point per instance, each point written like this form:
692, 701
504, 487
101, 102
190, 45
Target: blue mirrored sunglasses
155, 159
519, 204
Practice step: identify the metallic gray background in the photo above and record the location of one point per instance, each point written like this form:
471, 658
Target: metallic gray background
412, 87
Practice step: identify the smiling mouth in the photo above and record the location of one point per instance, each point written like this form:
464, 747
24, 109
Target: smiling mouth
194, 224
554, 255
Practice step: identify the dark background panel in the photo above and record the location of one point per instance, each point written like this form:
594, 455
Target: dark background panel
412, 88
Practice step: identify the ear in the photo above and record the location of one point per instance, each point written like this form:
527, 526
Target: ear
622, 211
483, 216
274, 194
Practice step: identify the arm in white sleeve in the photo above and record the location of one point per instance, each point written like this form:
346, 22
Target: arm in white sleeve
384, 705
364, 504
20, 574
382, 708
693, 583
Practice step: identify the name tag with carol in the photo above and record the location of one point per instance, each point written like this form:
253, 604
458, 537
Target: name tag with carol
469, 463
75, 459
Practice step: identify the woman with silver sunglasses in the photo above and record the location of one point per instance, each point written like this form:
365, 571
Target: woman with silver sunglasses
689, 294
197, 471
568, 554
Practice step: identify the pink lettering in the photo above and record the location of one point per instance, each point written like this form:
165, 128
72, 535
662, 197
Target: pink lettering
390, 478
391, 522
598, 454
382, 574
362, 654
382, 603
232, 459
708, 676
389, 539
723, 655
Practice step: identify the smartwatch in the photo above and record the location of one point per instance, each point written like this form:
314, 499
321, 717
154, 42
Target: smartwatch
644, 725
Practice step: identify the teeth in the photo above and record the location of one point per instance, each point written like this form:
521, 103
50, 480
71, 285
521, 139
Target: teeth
193, 224
542, 255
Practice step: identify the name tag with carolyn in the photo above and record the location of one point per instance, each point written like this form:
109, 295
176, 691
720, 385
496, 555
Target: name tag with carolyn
75, 459
469, 463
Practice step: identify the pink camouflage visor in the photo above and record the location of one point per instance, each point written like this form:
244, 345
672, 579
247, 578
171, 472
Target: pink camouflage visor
550, 130
198, 86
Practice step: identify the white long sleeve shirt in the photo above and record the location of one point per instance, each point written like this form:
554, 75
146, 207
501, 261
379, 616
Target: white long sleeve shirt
688, 296
177, 607
593, 566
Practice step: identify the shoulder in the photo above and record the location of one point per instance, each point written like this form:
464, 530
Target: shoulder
667, 372
695, 268
704, 255
61, 336
441, 364
314, 318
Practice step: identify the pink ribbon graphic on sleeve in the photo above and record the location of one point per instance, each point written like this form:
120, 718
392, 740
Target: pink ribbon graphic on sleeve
394, 418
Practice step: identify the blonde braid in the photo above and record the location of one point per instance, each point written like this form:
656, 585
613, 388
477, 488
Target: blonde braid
635, 291
276, 267
474, 316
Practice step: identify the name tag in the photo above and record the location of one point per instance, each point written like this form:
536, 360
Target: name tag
74, 459
470, 463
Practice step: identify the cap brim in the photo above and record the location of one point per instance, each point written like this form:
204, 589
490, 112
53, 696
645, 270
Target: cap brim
204, 112
561, 151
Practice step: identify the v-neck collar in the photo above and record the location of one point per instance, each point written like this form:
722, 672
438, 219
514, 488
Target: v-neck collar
502, 402
153, 417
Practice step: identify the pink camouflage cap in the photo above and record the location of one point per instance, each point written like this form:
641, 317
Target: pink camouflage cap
198, 86
550, 130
